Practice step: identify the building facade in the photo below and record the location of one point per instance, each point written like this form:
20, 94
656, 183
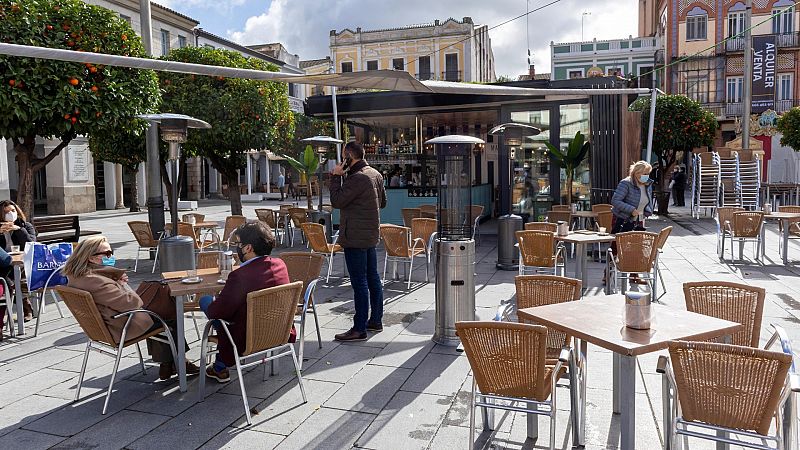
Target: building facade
317, 67
451, 50
632, 58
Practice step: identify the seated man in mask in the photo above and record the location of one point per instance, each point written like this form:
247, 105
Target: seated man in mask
253, 242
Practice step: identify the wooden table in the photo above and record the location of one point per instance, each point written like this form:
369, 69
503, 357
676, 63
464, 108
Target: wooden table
599, 320
786, 219
16, 261
581, 240
181, 293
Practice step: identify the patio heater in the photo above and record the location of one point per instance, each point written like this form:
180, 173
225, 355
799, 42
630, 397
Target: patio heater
455, 248
324, 218
509, 224
176, 252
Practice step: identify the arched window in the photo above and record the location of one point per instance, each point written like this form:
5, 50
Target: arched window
783, 17
696, 24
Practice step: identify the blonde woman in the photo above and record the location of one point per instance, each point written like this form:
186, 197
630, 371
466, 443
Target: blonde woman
633, 198
91, 268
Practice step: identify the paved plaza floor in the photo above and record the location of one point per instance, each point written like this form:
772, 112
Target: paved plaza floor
397, 390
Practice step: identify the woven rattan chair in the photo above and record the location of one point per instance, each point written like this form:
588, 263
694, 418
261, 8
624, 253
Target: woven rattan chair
561, 208
318, 243
428, 211
424, 229
601, 207
510, 370
657, 278
736, 302
636, 255
84, 309
305, 267
270, 316
720, 390
197, 217
745, 226
541, 226
144, 238
231, 224
540, 250
794, 227
723, 218
270, 217
297, 217
399, 249
409, 214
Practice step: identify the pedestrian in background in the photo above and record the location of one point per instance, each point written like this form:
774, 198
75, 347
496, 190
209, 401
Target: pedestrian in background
281, 184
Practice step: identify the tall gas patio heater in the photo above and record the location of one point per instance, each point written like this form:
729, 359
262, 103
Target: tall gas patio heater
455, 248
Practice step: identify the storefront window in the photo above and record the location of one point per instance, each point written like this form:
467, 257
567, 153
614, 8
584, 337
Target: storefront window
530, 193
575, 118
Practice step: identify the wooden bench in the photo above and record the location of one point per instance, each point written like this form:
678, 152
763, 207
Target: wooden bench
59, 229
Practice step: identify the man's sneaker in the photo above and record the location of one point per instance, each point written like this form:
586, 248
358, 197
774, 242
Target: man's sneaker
351, 336
374, 327
222, 376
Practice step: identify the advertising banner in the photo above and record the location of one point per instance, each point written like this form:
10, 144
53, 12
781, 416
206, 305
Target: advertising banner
765, 59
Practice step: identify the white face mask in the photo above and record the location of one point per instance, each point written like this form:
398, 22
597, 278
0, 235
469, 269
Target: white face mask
11, 216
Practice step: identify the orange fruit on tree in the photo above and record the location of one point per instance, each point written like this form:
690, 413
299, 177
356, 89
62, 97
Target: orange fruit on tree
74, 120
124, 37
73, 81
93, 69
67, 116
12, 82
94, 88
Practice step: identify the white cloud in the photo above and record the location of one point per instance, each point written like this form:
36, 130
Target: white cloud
303, 26
220, 6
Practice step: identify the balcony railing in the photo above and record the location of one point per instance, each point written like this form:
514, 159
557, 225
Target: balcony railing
451, 75
784, 40
733, 109
424, 76
785, 105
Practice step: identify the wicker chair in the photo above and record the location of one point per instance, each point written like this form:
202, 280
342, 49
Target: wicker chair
561, 208
601, 207
398, 249
197, 217
144, 238
305, 267
794, 227
745, 226
719, 390
723, 218
84, 309
231, 224
736, 302
409, 214
270, 316
540, 250
636, 254
541, 226
297, 217
428, 211
509, 364
661, 242
318, 243
269, 217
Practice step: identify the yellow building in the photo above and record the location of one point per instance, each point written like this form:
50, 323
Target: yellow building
451, 50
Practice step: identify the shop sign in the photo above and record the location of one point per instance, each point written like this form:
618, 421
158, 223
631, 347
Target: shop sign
765, 56
296, 105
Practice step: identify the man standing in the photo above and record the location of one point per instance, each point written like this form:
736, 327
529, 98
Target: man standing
253, 243
357, 190
281, 184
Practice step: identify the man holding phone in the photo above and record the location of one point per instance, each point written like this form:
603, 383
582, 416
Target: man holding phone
357, 190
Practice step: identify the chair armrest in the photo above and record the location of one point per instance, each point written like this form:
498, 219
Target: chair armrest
417, 241
335, 237
661, 367
312, 286
503, 311
566, 355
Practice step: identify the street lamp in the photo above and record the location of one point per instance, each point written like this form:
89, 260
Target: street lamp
583, 16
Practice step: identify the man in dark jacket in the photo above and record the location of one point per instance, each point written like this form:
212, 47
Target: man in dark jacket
253, 242
357, 190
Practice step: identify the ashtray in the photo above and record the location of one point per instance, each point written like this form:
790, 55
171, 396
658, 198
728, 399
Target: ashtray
192, 280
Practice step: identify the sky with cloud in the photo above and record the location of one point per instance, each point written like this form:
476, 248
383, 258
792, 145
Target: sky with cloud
303, 26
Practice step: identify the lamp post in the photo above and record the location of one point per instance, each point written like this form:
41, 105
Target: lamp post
583, 16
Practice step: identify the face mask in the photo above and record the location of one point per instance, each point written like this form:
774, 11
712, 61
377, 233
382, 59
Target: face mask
240, 253
110, 261
644, 178
11, 216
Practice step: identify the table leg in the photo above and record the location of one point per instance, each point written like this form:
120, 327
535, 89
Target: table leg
615, 397
785, 237
180, 343
580, 264
627, 399
18, 299
578, 402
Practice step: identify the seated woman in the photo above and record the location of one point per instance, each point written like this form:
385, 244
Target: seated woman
91, 268
15, 230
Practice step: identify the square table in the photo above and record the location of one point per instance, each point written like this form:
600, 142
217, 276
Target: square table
581, 240
181, 292
786, 218
599, 320
583, 217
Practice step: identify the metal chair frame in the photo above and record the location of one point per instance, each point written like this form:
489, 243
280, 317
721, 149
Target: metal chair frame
558, 254
418, 243
7, 302
615, 274
308, 303
331, 252
729, 231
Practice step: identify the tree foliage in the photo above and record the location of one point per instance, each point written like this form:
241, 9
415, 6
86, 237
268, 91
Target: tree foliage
306, 127
60, 100
244, 114
789, 126
306, 165
570, 158
125, 146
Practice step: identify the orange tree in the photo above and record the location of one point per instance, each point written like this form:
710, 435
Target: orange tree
244, 114
789, 126
61, 100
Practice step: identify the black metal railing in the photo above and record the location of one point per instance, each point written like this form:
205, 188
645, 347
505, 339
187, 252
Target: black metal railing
451, 75
782, 40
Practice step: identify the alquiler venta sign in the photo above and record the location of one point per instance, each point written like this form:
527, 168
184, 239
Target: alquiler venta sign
765, 58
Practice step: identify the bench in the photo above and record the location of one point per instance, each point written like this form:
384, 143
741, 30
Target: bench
59, 229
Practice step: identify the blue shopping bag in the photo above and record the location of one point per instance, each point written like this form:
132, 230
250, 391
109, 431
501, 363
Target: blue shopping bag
40, 261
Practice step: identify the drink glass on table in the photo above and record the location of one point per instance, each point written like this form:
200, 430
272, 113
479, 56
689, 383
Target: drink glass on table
192, 273
601, 230
15, 249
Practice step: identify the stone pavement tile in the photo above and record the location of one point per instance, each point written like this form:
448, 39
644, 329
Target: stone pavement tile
18, 348
329, 429
405, 351
238, 438
168, 400
97, 380
403, 306
340, 364
342, 322
408, 422
116, 431
254, 381
517, 438
76, 417
195, 426
458, 437
422, 324
285, 411
28, 440
602, 427
438, 374
369, 390
27, 410
458, 413
328, 335
31, 384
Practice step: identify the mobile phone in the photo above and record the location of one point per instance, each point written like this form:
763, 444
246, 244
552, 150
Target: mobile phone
346, 163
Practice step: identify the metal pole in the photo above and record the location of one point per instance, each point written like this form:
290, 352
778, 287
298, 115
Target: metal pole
155, 197
336, 124
651, 124
748, 77
173, 208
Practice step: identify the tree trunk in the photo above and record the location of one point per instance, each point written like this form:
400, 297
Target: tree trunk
235, 195
25, 185
570, 176
135, 190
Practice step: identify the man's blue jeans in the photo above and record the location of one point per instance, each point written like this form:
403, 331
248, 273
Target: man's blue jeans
362, 263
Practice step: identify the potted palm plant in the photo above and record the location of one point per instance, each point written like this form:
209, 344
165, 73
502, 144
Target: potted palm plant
307, 167
570, 158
